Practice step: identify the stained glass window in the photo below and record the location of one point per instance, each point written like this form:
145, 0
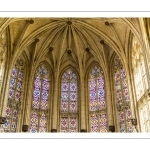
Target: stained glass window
68, 108
14, 96
122, 96
97, 104
40, 100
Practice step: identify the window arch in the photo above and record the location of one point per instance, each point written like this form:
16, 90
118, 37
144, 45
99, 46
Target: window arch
69, 104
14, 96
97, 103
2, 56
122, 97
39, 114
140, 83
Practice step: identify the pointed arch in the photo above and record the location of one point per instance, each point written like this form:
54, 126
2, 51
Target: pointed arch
14, 96
122, 96
40, 99
97, 99
69, 101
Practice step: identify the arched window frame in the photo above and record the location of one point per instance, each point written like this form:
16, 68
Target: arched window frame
39, 111
2, 56
65, 114
123, 109
140, 83
14, 103
98, 111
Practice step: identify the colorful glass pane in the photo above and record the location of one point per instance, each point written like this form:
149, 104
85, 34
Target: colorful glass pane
8, 118
14, 73
122, 121
44, 101
64, 96
34, 122
11, 93
101, 93
64, 124
68, 101
36, 95
94, 123
95, 70
118, 87
40, 100
73, 124
97, 100
123, 96
12, 87
14, 119
103, 122
73, 96
128, 120
42, 125
20, 76
14, 94
124, 83
93, 101
65, 76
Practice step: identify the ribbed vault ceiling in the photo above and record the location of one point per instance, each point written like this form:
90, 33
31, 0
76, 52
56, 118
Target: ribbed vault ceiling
78, 40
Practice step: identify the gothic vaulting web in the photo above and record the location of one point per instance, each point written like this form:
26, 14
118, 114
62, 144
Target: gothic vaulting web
40, 100
98, 119
14, 96
122, 95
68, 109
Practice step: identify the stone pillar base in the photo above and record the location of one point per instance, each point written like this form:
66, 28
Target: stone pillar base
25, 128
83, 130
53, 130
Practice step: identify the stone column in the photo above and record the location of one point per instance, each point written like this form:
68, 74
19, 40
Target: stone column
82, 104
29, 84
109, 106
55, 103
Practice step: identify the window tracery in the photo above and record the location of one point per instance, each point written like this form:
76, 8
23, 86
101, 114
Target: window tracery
122, 97
2, 55
14, 96
69, 103
39, 115
97, 103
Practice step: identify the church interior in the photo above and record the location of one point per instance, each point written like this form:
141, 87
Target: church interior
74, 75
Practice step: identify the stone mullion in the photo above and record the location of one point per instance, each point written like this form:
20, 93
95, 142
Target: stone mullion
123, 102
39, 110
39, 116
96, 80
